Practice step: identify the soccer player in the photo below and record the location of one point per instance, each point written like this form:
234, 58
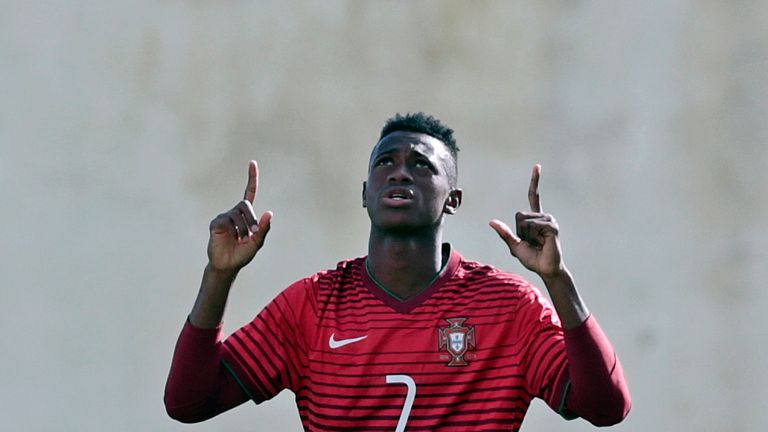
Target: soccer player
411, 337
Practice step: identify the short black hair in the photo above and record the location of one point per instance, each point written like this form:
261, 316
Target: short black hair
422, 123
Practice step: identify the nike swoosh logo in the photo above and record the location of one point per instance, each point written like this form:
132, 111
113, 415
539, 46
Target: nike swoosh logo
333, 343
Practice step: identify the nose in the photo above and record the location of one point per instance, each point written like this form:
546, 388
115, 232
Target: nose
400, 174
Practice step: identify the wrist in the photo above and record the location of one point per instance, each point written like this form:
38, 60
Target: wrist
208, 309
566, 299
557, 278
214, 273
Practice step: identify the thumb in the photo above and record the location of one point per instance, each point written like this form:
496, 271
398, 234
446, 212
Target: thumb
506, 234
265, 223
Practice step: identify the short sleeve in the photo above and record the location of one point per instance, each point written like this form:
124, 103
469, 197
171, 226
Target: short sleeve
545, 360
269, 354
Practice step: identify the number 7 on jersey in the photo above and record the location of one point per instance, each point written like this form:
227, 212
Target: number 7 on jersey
409, 398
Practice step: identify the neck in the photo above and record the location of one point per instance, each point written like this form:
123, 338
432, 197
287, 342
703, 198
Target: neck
405, 264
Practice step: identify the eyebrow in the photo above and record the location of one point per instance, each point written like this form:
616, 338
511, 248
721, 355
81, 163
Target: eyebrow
382, 153
394, 150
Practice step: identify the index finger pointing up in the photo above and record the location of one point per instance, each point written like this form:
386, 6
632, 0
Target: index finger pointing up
253, 182
533, 190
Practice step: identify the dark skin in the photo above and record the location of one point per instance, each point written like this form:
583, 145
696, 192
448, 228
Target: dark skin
537, 246
407, 195
235, 237
410, 189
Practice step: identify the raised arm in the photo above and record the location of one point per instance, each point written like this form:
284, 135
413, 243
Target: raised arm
198, 387
594, 387
537, 247
235, 237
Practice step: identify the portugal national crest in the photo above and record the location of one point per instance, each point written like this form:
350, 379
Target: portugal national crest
456, 339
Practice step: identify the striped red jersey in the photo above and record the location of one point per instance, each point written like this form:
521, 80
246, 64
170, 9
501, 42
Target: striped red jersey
468, 353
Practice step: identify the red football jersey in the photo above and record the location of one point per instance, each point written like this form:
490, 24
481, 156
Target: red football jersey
468, 353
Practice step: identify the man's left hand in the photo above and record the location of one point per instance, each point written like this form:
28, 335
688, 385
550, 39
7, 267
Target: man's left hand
536, 244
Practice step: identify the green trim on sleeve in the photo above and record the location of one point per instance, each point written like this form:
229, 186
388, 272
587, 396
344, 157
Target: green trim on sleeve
563, 409
240, 383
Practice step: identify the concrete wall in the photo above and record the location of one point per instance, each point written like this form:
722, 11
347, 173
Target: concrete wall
125, 127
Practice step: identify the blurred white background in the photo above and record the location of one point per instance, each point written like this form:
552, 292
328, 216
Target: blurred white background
126, 126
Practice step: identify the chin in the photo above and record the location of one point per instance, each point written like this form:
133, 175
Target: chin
403, 227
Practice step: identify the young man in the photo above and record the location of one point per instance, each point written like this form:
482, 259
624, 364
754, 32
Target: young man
411, 337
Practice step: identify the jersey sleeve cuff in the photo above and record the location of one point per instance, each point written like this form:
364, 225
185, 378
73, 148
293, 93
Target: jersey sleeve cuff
235, 368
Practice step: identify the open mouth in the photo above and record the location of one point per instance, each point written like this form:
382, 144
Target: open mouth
398, 196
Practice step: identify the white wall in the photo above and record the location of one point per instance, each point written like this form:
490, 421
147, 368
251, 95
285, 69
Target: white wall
124, 128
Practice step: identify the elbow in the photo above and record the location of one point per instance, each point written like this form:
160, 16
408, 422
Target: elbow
178, 414
181, 413
611, 412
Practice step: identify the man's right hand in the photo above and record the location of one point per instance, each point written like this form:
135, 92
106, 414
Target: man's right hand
236, 236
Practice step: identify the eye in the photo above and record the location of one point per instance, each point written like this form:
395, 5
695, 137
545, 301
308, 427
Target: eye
386, 160
423, 163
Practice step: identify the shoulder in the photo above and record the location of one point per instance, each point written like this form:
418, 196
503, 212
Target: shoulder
344, 269
522, 297
488, 277
478, 271
346, 272
315, 289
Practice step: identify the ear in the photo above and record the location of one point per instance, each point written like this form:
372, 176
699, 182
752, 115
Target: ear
365, 184
453, 202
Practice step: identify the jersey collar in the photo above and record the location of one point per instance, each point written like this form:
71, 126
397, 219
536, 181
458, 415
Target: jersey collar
407, 305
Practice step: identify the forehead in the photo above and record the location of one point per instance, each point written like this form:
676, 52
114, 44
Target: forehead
417, 142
